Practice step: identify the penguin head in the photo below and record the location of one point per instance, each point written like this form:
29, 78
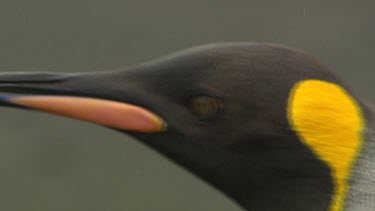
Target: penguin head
257, 121
218, 93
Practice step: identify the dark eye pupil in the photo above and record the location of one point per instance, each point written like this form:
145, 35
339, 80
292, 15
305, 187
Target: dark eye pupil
205, 106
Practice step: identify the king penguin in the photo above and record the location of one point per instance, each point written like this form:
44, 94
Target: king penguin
266, 124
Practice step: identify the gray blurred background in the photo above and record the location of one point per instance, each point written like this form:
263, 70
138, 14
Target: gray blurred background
53, 163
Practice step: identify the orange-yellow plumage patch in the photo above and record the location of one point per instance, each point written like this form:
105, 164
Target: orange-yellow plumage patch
328, 120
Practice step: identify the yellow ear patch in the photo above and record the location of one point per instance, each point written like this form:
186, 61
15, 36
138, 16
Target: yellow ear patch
329, 121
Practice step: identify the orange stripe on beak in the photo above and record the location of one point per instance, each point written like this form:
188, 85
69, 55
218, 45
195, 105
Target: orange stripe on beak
105, 112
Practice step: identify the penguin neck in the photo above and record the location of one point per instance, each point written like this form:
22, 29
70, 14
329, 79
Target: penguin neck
275, 179
280, 174
361, 195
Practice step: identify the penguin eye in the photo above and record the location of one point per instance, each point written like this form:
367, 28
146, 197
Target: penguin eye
205, 106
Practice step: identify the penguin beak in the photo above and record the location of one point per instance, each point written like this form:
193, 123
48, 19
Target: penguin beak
75, 96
